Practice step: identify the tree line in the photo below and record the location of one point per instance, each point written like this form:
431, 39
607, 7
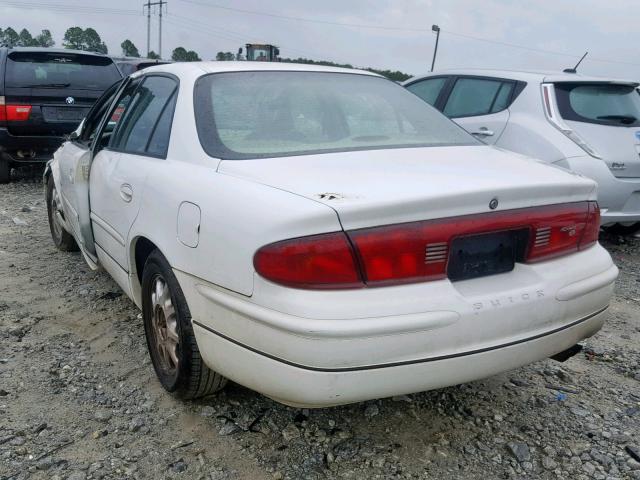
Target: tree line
395, 75
10, 38
88, 39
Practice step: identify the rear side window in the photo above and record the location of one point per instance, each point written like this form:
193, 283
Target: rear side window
478, 96
429, 89
145, 129
60, 70
606, 104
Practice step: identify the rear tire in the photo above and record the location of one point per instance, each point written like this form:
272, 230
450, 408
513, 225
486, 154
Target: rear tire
620, 229
170, 338
62, 239
5, 170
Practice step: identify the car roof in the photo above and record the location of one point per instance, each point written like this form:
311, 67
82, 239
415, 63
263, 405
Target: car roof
526, 76
54, 50
243, 66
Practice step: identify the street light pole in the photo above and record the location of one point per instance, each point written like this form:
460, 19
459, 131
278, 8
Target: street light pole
435, 28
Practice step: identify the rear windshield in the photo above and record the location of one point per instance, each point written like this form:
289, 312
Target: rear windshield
243, 115
60, 70
605, 104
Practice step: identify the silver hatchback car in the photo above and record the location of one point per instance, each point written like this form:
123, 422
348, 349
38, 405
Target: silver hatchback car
589, 125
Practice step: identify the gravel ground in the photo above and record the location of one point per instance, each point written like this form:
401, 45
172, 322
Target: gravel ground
79, 399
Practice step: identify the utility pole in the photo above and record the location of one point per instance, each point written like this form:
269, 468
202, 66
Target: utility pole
148, 5
435, 28
148, 26
160, 30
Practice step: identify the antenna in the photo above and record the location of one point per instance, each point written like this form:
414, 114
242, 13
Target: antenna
575, 69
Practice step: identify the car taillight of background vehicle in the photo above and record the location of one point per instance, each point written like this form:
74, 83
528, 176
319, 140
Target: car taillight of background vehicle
14, 113
550, 111
419, 251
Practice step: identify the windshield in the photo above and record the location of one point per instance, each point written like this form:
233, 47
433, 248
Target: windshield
607, 104
60, 70
269, 114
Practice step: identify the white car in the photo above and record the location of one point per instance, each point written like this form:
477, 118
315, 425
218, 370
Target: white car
586, 124
323, 236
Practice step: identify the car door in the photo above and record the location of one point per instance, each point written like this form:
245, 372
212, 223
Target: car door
74, 159
123, 159
480, 105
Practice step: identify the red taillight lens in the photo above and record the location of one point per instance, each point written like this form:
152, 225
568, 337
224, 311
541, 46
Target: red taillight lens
17, 113
419, 251
317, 261
403, 253
564, 229
592, 230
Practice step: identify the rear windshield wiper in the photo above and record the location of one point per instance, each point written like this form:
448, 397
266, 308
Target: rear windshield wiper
626, 119
49, 85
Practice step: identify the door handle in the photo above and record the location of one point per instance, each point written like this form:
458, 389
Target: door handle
483, 132
126, 192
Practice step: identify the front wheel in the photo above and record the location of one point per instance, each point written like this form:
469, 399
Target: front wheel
170, 338
62, 239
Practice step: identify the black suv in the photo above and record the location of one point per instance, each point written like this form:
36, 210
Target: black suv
44, 94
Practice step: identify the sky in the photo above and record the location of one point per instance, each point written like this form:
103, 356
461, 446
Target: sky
386, 34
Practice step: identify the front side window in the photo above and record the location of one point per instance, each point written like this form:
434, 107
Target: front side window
117, 112
151, 106
604, 103
476, 96
429, 89
243, 115
97, 112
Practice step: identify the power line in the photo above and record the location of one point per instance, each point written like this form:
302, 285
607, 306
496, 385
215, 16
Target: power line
405, 29
66, 8
83, 9
537, 50
304, 19
216, 31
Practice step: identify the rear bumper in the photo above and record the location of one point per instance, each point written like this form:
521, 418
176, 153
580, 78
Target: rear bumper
35, 149
328, 348
619, 198
304, 386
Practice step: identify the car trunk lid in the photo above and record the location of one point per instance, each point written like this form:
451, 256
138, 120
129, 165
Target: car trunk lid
382, 187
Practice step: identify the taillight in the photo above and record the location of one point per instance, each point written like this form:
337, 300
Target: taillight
549, 100
416, 251
559, 231
17, 113
317, 261
592, 230
419, 251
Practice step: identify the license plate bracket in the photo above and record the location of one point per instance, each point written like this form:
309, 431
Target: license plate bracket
486, 254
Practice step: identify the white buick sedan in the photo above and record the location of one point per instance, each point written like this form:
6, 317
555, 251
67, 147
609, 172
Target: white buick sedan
322, 235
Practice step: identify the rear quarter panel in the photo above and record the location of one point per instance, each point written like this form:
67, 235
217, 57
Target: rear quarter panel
528, 132
237, 218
